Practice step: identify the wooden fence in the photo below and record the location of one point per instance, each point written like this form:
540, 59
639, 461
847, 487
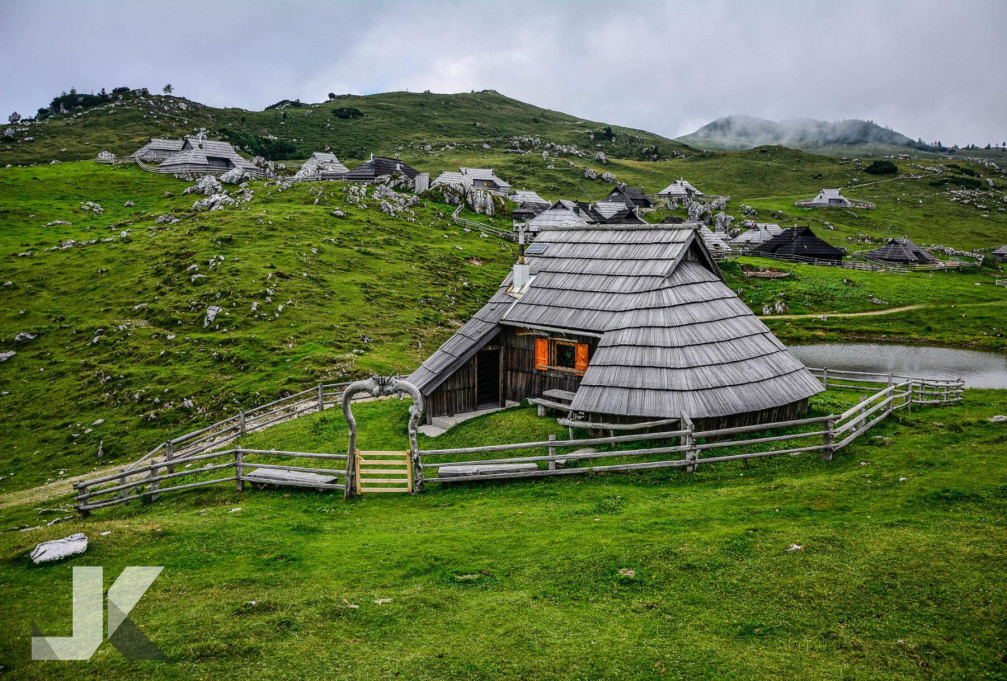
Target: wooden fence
826, 434
506, 234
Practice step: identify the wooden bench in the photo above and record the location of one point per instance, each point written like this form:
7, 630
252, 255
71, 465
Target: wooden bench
484, 469
557, 395
273, 476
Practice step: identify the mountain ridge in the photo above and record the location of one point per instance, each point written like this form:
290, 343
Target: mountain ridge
740, 132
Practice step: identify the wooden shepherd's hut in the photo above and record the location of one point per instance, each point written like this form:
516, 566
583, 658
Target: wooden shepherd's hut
635, 321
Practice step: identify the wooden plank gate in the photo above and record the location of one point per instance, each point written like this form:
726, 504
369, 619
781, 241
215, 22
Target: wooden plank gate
384, 472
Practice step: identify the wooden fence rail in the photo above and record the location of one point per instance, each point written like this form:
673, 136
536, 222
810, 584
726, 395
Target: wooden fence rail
174, 459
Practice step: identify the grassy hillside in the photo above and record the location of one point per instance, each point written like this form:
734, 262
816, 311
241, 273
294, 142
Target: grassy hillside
647, 576
119, 322
392, 123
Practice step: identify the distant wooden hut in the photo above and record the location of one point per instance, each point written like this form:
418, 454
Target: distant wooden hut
321, 166
520, 196
380, 166
829, 198
565, 213
714, 242
631, 196
477, 178
157, 150
902, 251
799, 243
199, 156
760, 232
634, 320
1000, 253
680, 189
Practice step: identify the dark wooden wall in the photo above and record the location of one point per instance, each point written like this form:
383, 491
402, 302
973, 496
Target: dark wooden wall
456, 395
523, 380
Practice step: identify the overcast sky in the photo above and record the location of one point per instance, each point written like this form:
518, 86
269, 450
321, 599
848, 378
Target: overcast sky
927, 68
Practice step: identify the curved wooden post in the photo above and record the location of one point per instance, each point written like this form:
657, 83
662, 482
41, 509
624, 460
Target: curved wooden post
379, 386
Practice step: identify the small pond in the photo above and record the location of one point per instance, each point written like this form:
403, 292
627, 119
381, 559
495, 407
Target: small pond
979, 369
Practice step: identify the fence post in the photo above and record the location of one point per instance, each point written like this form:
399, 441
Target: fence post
689, 440
169, 454
122, 480
829, 438
321, 398
241, 421
909, 397
239, 470
825, 378
79, 489
552, 452
154, 484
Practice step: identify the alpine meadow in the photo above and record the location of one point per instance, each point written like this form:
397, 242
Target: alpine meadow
575, 349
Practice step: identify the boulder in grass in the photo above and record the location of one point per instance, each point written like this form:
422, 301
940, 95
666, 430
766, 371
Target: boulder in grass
233, 176
57, 549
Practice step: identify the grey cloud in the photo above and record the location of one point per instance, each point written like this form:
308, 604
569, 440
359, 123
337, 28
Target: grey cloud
925, 68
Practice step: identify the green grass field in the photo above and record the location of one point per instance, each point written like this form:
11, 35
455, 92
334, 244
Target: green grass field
649, 575
645, 575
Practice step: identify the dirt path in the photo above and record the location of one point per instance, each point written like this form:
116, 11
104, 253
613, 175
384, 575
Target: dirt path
871, 313
51, 490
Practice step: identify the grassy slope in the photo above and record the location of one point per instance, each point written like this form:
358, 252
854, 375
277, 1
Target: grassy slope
895, 579
364, 293
393, 122
379, 294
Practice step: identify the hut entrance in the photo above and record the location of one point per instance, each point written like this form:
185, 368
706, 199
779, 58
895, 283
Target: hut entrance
488, 378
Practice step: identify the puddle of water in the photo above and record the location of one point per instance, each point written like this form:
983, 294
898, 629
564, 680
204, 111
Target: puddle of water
978, 369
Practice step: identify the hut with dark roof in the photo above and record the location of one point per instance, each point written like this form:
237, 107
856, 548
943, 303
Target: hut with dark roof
631, 196
1000, 254
902, 251
380, 166
635, 320
798, 243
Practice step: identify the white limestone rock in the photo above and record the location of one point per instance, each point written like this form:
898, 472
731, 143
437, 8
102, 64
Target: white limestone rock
57, 549
211, 314
215, 202
23, 337
208, 185
4, 356
233, 176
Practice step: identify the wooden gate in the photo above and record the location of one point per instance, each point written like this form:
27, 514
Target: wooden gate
392, 471
384, 472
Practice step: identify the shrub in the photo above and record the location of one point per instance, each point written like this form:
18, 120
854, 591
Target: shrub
882, 168
347, 112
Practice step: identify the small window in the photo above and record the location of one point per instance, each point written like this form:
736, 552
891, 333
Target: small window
536, 249
562, 355
566, 356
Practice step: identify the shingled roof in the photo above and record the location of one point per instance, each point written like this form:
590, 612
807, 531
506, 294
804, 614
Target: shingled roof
759, 233
679, 189
629, 195
902, 251
799, 242
379, 166
674, 338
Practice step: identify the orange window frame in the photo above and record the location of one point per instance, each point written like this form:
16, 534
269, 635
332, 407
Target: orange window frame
545, 355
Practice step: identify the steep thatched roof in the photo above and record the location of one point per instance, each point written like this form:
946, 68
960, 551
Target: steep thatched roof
760, 233
902, 251
674, 338
799, 243
679, 189
629, 195
379, 166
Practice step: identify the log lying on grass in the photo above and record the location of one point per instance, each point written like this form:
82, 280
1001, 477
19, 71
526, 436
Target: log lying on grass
271, 476
487, 469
